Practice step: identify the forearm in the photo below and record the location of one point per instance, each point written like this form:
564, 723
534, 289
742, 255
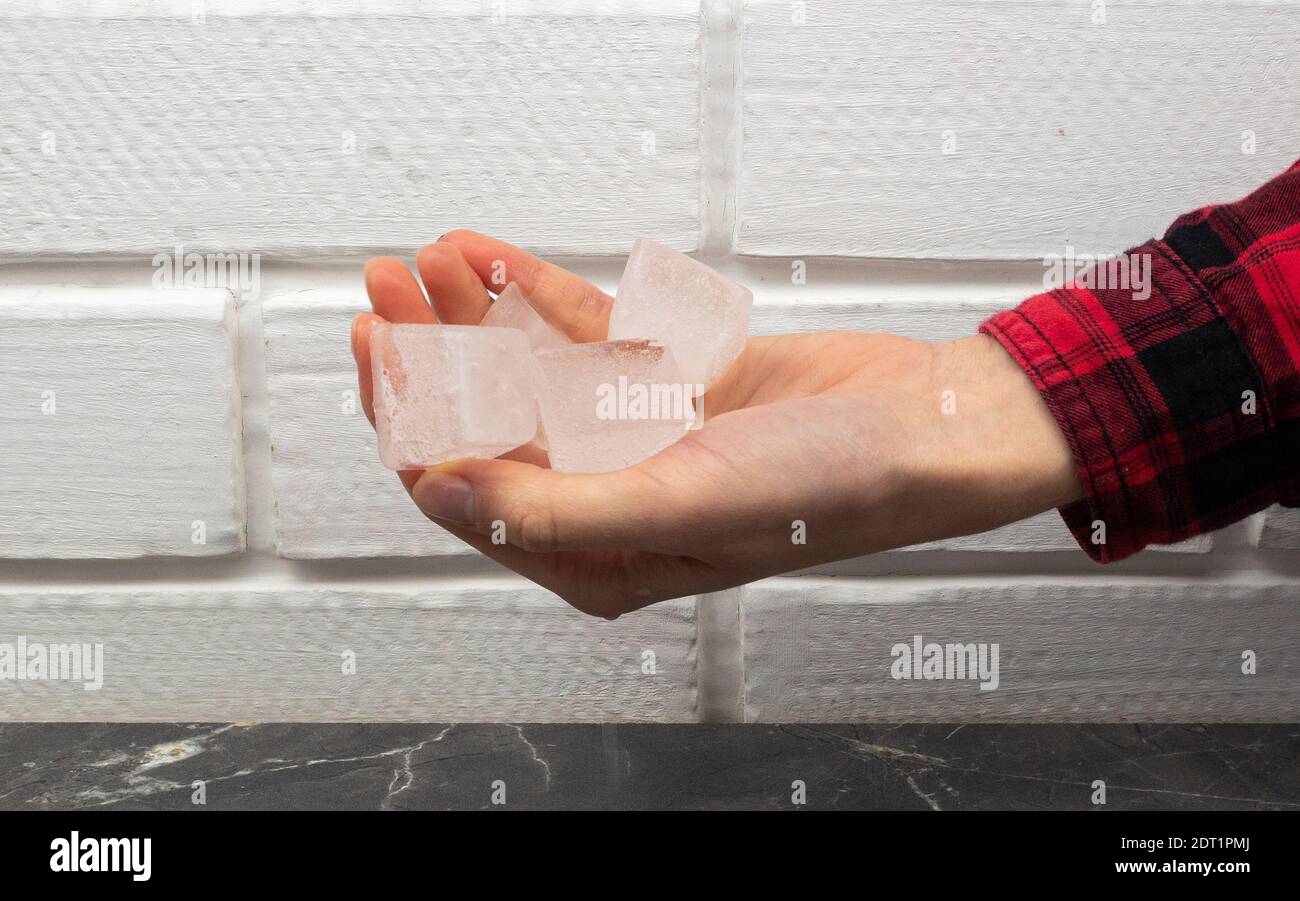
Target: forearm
989, 451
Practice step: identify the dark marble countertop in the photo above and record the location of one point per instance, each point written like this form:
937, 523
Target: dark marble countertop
56, 766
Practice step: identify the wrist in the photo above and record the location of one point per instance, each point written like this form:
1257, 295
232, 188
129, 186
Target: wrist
999, 436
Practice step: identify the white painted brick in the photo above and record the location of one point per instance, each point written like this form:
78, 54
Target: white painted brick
460, 651
231, 134
1281, 528
1067, 132
333, 498
144, 437
1104, 649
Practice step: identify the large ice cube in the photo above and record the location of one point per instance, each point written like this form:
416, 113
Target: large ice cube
702, 317
446, 392
611, 404
511, 309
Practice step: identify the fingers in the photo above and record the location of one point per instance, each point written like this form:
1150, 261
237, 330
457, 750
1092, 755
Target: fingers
457, 294
395, 294
605, 583
573, 305
543, 511
361, 327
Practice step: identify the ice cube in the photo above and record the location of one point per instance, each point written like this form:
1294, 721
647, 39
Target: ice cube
701, 316
611, 404
512, 309
446, 392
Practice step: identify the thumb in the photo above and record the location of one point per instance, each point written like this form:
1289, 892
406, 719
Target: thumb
542, 510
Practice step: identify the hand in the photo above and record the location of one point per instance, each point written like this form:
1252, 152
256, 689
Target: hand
843, 432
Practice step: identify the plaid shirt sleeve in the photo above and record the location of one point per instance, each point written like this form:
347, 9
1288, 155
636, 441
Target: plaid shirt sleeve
1181, 405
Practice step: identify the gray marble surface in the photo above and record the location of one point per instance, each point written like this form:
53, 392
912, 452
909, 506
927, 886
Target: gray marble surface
423, 766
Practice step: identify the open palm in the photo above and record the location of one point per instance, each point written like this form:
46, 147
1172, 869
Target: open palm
815, 447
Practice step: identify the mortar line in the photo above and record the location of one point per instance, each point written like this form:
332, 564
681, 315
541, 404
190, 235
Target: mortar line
719, 661
720, 111
718, 664
259, 494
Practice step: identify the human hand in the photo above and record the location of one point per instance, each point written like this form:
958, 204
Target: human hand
843, 432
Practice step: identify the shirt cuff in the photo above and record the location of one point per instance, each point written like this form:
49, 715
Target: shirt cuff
1148, 393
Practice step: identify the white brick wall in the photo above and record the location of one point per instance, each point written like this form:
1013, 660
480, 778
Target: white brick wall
1066, 131
120, 423
330, 499
280, 133
1083, 650
455, 650
766, 134
1281, 529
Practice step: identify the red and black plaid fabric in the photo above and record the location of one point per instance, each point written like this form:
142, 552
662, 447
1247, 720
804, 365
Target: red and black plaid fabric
1182, 410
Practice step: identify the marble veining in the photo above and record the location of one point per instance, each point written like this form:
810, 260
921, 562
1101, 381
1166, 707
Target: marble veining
528, 766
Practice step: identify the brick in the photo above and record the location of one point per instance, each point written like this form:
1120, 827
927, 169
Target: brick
490, 650
120, 423
343, 126
1070, 649
1065, 131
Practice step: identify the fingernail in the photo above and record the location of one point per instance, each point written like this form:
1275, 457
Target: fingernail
446, 497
